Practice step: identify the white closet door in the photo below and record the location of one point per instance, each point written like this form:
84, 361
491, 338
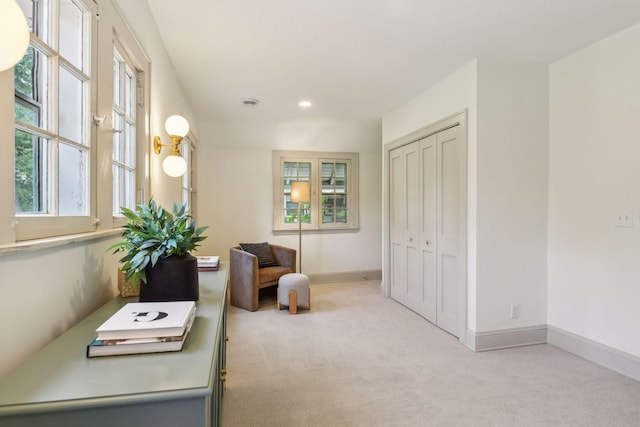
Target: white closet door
424, 226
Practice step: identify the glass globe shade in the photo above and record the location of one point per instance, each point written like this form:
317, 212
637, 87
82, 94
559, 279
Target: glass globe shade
174, 165
177, 126
14, 34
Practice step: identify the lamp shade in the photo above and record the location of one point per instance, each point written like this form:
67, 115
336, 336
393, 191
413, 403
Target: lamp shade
177, 126
14, 34
300, 192
174, 165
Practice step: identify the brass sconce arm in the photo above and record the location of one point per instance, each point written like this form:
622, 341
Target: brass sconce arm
175, 145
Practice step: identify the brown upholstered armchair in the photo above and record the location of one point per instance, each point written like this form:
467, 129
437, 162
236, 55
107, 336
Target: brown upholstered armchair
246, 279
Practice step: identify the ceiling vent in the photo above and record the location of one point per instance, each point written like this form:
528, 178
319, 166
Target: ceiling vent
250, 102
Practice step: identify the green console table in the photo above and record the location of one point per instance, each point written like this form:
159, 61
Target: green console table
60, 386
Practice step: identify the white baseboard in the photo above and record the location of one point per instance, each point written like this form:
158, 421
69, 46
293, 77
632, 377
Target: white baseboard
505, 338
616, 360
603, 355
345, 276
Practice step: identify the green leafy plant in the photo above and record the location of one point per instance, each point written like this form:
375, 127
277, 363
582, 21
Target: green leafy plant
153, 232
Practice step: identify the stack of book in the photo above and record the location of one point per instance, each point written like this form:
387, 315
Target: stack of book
144, 327
208, 263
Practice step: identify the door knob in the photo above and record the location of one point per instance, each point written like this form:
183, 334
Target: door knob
426, 242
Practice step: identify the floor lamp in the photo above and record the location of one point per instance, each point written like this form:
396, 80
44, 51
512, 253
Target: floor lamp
300, 195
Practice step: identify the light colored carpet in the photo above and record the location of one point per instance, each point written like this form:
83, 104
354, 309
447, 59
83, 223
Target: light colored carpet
359, 359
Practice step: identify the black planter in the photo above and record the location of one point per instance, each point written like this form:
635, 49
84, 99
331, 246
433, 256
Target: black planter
173, 278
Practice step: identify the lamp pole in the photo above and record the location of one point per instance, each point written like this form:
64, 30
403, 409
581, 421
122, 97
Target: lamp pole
300, 194
299, 238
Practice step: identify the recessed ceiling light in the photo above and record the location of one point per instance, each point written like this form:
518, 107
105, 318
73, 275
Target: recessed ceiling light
250, 102
304, 104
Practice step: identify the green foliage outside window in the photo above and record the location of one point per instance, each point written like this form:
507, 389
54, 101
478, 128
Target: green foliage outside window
291, 215
24, 142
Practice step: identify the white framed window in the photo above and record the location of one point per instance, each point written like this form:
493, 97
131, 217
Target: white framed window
81, 121
333, 185
54, 92
124, 116
188, 180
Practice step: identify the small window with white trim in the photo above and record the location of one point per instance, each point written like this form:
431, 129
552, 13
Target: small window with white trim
332, 180
125, 83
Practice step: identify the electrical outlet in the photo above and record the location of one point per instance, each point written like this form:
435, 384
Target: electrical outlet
624, 218
515, 311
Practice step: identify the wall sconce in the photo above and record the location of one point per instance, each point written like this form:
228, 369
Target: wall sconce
14, 34
174, 164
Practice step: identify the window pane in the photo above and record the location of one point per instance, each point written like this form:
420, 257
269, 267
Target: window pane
185, 149
328, 201
26, 112
292, 172
290, 169
290, 215
25, 76
124, 141
34, 11
334, 192
72, 179
28, 10
297, 170
305, 213
304, 170
117, 186
70, 106
118, 149
71, 33
130, 87
129, 198
327, 216
30, 173
116, 81
130, 154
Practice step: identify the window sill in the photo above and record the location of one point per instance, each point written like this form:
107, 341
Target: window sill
53, 242
317, 231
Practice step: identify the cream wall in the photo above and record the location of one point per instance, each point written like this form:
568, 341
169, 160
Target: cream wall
235, 189
512, 151
506, 103
46, 291
167, 97
594, 268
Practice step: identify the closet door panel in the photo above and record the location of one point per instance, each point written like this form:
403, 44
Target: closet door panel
447, 229
412, 226
428, 221
396, 224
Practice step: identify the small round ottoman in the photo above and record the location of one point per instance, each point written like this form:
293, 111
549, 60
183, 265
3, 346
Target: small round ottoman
293, 290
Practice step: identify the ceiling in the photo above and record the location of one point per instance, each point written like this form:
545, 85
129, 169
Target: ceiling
358, 59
